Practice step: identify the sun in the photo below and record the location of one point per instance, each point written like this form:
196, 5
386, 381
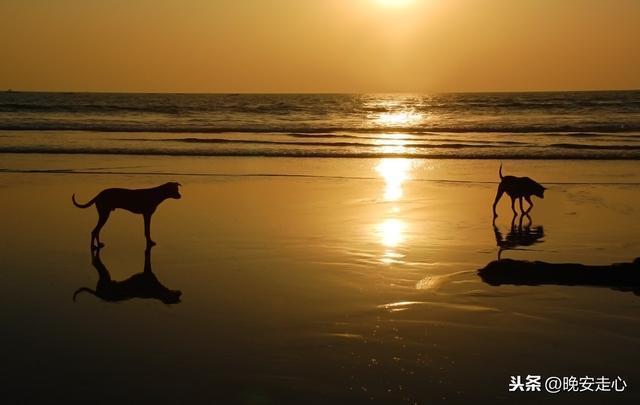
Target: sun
395, 3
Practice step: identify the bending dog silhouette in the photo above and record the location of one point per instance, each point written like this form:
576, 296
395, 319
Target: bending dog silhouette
141, 201
518, 236
617, 276
517, 188
140, 285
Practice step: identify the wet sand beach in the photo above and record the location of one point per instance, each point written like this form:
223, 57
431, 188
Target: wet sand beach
315, 279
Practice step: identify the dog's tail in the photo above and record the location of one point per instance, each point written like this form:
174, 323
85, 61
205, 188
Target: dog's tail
500, 172
83, 289
90, 203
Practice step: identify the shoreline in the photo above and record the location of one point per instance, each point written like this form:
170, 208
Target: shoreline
318, 155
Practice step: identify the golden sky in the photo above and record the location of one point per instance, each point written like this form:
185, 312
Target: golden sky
319, 45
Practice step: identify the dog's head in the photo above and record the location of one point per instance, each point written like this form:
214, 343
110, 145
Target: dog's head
173, 190
170, 297
539, 191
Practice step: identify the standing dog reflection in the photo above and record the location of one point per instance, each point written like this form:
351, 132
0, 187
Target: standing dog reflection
518, 236
141, 285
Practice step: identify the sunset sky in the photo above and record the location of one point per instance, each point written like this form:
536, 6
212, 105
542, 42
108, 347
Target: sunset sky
319, 45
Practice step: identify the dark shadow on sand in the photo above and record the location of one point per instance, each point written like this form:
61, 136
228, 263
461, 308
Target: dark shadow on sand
140, 285
520, 235
617, 276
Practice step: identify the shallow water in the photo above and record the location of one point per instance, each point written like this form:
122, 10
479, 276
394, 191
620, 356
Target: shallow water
319, 279
553, 125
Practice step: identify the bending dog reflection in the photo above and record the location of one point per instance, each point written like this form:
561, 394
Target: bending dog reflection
141, 285
518, 236
617, 276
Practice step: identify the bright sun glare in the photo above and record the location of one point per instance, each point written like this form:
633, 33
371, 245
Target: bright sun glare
391, 232
395, 3
402, 118
394, 172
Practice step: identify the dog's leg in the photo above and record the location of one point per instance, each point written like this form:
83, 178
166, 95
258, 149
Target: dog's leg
103, 272
521, 209
513, 206
521, 218
103, 216
497, 234
530, 203
495, 201
147, 260
147, 229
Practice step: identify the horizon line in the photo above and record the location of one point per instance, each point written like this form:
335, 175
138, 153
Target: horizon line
11, 90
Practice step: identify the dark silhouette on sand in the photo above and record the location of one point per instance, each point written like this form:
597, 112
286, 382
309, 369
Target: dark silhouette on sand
518, 236
140, 285
141, 201
618, 276
517, 188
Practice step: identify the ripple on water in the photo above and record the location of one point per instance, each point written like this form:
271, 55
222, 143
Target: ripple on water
394, 306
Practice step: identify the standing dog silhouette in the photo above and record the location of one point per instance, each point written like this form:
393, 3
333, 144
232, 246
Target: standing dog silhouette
141, 201
517, 188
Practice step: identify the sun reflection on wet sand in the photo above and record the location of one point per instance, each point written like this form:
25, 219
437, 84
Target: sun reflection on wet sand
395, 172
392, 234
392, 230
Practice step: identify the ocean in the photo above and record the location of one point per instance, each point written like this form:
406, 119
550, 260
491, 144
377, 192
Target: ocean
553, 125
